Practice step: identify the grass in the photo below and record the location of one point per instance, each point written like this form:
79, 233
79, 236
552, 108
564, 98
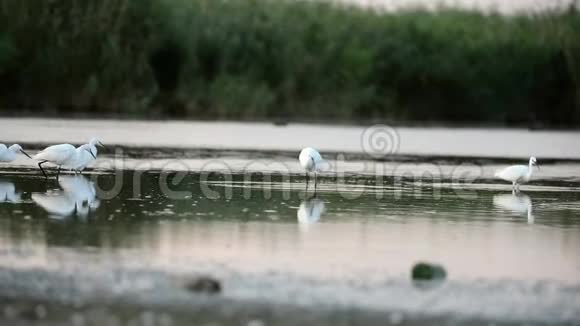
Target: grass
291, 59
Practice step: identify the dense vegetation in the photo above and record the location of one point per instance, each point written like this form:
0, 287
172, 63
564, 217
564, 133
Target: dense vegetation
268, 59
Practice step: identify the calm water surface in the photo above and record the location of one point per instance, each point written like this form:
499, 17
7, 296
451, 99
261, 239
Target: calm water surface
127, 234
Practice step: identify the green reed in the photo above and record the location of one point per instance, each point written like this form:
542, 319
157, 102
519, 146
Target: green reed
300, 60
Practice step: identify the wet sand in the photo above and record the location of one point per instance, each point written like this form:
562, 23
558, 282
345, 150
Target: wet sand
381, 143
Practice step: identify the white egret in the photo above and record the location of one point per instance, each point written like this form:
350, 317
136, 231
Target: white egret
311, 161
84, 157
88, 157
61, 155
8, 154
79, 161
518, 174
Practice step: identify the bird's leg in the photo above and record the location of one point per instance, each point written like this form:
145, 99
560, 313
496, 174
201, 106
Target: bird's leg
57, 173
41, 169
307, 178
315, 181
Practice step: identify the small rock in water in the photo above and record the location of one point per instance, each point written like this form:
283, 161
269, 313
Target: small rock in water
428, 272
205, 284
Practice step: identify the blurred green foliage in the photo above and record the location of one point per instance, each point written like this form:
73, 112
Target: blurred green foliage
299, 60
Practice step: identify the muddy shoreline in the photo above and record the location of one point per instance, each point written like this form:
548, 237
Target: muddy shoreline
52, 299
379, 143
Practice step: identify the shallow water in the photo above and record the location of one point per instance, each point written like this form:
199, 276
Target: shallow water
104, 236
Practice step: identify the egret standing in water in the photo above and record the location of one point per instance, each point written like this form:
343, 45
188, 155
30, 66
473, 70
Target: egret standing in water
311, 161
518, 174
61, 155
84, 156
8, 154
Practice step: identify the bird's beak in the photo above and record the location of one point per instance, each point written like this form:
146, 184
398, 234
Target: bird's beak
101, 144
538, 166
93, 155
23, 152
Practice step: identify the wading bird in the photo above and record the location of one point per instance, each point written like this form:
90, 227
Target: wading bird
61, 155
518, 174
84, 157
8, 154
311, 161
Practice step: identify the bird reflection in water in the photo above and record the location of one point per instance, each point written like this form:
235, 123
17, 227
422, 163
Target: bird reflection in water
77, 197
8, 193
515, 202
310, 211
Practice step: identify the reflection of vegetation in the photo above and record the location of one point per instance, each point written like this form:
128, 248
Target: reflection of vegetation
265, 59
